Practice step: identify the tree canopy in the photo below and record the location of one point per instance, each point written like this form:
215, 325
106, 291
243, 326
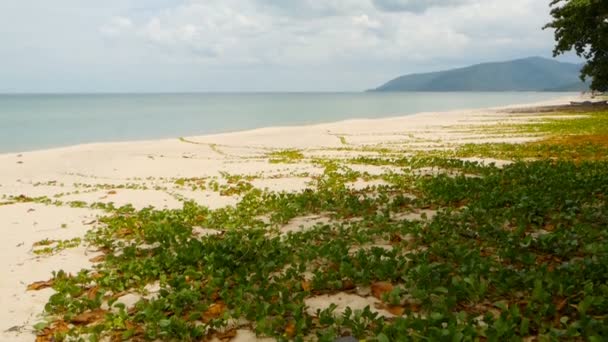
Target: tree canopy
582, 26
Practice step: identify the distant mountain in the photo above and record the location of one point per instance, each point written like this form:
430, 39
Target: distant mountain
528, 74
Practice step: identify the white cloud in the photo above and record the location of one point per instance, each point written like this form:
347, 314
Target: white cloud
364, 20
116, 26
291, 45
415, 6
317, 32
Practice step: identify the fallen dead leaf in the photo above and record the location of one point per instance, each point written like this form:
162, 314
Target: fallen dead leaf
92, 292
214, 311
348, 285
124, 232
226, 335
306, 285
395, 310
89, 317
290, 329
48, 334
380, 288
119, 294
39, 285
396, 238
98, 258
415, 307
96, 275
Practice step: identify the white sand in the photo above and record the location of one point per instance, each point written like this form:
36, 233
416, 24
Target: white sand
156, 164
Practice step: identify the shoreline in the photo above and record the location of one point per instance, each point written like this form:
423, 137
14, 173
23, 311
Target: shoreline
148, 173
556, 101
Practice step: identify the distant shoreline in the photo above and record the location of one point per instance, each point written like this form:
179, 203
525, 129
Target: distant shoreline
555, 101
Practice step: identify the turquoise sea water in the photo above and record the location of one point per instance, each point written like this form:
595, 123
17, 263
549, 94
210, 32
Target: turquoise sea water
29, 122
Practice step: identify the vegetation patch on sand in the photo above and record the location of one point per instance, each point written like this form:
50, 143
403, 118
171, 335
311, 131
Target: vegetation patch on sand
286, 156
518, 252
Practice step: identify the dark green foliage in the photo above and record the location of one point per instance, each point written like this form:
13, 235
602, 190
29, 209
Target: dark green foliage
582, 26
519, 252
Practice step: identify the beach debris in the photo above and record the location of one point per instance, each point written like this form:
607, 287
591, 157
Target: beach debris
396, 310
89, 317
47, 333
39, 285
380, 288
228, 335
215, 311
290, 329
92, 292
98, 258
15, 328
306, 285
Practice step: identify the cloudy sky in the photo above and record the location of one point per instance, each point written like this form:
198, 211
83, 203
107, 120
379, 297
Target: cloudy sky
255, 45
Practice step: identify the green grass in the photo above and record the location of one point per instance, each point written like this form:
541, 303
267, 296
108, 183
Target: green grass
582, 138
49, 247
285, 156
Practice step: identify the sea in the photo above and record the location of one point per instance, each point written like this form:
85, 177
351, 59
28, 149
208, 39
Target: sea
32, 122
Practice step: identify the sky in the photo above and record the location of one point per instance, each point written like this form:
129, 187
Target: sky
255, 45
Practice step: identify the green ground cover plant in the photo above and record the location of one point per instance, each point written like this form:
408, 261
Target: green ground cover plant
285, 156
518, 252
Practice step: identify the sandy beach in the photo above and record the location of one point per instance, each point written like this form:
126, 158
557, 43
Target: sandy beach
147, 173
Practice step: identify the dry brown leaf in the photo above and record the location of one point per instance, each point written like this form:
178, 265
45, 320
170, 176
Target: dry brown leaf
396, 310
96, 275
380, 288
98, 258
560, 304
415, 307
118, 294
48, 334
124, 232
290, 329
92, 292
39, 285
214, 311
396, 238
89, 317
348, 285
306, 285
226, 335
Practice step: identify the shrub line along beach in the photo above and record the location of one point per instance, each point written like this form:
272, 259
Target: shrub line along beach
466, 225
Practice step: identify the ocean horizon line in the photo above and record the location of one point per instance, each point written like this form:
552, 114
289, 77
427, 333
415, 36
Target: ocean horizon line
269, 92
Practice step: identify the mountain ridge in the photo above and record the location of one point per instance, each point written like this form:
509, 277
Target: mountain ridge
525, 74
